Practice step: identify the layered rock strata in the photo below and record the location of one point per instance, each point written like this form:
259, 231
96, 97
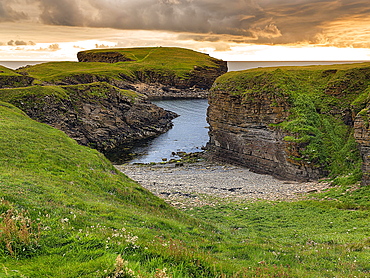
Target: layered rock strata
362, 135
241, 133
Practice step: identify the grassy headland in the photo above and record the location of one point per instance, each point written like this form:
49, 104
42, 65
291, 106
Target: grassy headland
166, 62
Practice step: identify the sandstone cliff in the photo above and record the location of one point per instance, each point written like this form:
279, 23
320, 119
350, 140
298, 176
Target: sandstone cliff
97, 114
294, 123
362, 135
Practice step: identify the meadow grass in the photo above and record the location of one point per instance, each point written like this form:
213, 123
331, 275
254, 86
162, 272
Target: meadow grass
98, 90
326, 235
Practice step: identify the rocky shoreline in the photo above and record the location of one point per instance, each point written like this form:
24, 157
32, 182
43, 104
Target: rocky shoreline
207, 183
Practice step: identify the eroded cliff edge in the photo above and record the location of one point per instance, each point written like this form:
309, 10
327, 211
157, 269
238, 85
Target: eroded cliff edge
300, 123
97, 115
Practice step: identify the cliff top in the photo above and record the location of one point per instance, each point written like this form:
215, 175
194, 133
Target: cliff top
333, 86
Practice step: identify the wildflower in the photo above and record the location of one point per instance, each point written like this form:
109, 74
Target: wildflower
64, 220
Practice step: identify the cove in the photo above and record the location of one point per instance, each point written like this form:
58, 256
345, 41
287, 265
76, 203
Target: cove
188, 134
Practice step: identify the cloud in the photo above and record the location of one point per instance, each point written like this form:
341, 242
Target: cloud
244, 21
18, 43
61, 12
7, 13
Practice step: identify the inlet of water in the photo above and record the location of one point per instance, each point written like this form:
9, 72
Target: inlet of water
188, 134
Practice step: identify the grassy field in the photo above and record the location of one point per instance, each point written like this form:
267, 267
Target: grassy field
165, 61
66, 212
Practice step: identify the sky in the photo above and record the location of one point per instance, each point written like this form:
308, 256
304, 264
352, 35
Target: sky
232, 30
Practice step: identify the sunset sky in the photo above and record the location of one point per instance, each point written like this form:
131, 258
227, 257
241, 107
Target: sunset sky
233, 30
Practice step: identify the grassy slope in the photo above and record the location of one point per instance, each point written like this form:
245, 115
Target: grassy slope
326, 237
315, 94
165, 60
82, 204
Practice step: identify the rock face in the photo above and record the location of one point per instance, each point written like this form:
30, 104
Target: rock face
15, 81
105, 57
98, 115
241, 133
362, 135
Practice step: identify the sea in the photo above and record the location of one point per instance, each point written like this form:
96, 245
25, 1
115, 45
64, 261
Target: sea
190, 130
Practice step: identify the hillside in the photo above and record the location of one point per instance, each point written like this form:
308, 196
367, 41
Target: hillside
67, 212
294, 122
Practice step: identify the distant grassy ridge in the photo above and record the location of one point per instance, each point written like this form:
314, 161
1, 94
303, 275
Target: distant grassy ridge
323, 101
165, 61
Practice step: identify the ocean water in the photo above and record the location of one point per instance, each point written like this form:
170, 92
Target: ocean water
188, 134
17, 64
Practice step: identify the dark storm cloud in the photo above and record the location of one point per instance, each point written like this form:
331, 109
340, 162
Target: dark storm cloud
257, 21
61, 12
9, 14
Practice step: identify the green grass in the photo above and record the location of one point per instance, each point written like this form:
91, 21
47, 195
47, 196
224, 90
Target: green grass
321, 238
317, 98
164, 61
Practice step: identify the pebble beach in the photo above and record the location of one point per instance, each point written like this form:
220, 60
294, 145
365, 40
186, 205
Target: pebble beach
209, 183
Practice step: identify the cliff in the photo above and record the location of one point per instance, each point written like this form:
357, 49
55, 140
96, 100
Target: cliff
157, 72
97, 114
296, 123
